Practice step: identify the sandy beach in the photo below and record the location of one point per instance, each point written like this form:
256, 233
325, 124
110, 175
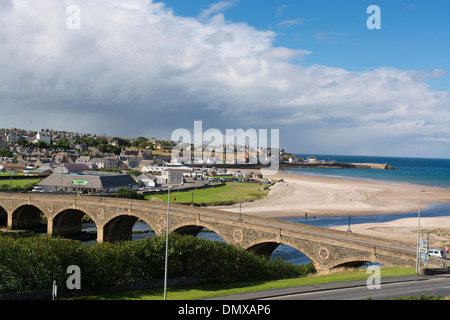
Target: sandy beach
324, 196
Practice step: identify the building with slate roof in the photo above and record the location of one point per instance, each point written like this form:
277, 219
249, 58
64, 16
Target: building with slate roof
88, 183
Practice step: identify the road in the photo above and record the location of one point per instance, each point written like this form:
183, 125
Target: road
356, 290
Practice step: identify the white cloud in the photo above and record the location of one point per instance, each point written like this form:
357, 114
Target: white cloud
290, 23
217, 7
134, 68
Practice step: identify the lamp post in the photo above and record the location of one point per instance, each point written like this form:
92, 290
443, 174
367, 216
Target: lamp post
167, 244
10, 182
418, 233
240, 211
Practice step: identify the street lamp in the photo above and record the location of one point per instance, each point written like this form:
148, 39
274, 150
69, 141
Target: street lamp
240, 211
10, 182
167, 244
418, 232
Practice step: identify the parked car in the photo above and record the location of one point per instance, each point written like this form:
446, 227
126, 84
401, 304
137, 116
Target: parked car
438, 253
37, 189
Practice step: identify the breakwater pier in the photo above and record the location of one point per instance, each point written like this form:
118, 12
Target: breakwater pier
338, 165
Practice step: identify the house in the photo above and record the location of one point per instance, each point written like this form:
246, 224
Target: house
172, 176
83, 159
145, 163
147, 180
311, 159
63, 158
11, 137
132, 162
3, 143
105, 163
43, 136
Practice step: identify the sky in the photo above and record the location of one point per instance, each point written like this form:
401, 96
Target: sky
311, 69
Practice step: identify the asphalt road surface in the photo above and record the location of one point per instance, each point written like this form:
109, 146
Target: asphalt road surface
390, 288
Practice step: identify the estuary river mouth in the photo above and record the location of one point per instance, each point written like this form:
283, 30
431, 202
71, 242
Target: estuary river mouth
142, 231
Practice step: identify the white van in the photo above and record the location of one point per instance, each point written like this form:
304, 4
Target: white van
37, 189
438, 253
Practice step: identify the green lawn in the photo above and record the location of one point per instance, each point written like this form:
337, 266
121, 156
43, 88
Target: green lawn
19, 183
232, 192
214, 290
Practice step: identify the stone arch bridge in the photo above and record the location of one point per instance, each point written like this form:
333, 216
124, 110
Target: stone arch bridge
115, 218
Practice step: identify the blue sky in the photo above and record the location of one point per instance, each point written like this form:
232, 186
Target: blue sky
414, 34
311, 69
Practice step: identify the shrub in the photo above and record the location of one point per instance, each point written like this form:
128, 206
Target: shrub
129, 194
33, 263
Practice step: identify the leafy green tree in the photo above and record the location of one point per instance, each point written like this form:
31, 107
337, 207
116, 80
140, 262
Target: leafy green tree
23, 142
6, 153
64, 144
90, 142
42, 145
129, 194
121, 142
102, 140
138, 141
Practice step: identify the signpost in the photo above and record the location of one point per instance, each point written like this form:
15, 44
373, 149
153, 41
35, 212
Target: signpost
423, 249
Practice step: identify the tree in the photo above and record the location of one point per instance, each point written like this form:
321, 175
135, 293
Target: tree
121, 142
23, 142
64, 144
42, 145
102, 140
129, 194
90, 142
138, 141
6, 153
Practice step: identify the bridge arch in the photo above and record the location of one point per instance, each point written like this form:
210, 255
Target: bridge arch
3, 217
27, 217
120, 227
67, 223
352, 262
266, 248
194, 230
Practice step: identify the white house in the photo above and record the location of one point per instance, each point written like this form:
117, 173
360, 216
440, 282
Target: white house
311, 159
172, 176
147, 180
42, 136
11, 137
105, 163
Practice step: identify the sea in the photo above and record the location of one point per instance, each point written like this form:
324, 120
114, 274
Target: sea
419, 171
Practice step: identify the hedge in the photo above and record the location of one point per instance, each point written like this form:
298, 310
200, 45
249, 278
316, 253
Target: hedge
32, 263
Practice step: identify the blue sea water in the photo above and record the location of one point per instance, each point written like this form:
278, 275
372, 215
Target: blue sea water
419, 171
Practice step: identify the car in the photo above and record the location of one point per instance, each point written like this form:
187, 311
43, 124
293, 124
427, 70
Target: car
438, 253
37, 189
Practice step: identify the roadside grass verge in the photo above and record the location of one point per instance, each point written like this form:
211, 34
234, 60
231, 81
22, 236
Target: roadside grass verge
215, 290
